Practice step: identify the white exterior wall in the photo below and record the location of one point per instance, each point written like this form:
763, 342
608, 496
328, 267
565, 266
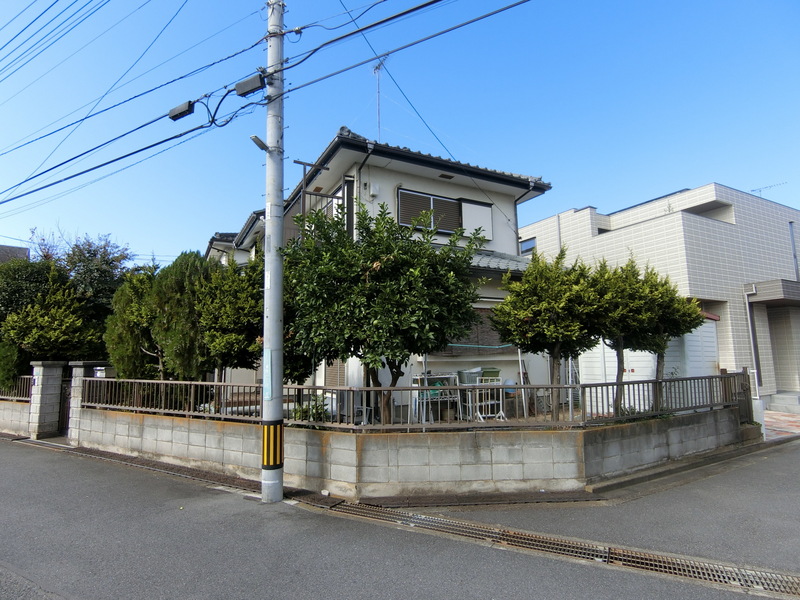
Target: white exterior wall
707, 258
501, 231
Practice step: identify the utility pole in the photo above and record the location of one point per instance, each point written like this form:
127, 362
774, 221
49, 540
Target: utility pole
272, 361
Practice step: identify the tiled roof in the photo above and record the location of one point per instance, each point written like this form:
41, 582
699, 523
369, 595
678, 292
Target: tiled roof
345, 132
499, 261
9, 252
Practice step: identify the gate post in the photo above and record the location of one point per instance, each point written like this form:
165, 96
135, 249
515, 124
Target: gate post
45, 398
81, 369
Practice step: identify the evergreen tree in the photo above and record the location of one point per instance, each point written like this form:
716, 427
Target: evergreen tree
550, 310
382, 296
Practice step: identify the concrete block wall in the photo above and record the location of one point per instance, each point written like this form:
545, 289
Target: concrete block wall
15, 417
217, 446
360, 466
611, 451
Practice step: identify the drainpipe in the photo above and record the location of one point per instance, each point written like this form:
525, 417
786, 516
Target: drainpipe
758, 407
794, 251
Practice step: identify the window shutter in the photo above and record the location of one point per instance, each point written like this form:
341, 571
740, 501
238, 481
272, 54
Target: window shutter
446, 214
410, 205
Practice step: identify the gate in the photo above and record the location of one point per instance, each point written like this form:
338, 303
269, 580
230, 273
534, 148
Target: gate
63, 408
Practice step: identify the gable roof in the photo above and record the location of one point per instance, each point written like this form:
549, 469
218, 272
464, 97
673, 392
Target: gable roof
348, 148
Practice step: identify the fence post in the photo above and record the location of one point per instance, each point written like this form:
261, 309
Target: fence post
81, 369
45, 398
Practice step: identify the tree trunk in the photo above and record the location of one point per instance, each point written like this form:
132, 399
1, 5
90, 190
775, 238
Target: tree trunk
555, 379
620, 391
658, 387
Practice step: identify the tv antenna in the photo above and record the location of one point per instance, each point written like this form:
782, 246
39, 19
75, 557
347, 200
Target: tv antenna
377, 71
766, 187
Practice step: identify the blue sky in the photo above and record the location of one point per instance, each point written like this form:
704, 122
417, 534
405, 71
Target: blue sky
614, 103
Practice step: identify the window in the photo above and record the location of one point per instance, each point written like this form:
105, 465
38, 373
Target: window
446, 211
527, 246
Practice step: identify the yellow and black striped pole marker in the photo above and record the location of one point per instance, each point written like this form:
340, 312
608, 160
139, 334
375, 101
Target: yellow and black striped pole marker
272, 455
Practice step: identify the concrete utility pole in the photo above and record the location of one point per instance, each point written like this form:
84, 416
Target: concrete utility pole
272, 362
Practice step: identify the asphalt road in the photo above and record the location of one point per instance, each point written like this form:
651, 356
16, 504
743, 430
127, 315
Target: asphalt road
78, 528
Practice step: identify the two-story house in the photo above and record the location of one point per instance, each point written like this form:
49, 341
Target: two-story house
353, 169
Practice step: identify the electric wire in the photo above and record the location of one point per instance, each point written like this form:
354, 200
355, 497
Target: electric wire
347, 12
212, 122
384, 21
41, 29
139, 58
41, 202
400, 48
84, 153
130, 99
231, 116
47, 43
14, 18
422, 119
19, 33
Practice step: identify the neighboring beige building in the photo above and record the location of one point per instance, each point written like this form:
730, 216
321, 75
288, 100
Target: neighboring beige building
733, 251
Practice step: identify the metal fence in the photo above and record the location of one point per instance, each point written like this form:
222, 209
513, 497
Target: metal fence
192, 399
427, 407
19, 390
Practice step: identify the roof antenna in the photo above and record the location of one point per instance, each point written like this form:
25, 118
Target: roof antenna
377, 71
766, 187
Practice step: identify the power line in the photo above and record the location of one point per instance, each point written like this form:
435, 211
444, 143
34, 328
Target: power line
14, 18
39, 16
347, 12
41, 29
41, 202
403, 47
213, 121
150, 45
47, 43
89, 151
421, 118
310, 53
137, 96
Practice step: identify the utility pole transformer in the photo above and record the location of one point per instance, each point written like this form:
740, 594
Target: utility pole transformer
272, 361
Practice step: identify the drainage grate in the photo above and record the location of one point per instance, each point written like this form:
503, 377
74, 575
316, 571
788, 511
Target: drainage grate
688, 568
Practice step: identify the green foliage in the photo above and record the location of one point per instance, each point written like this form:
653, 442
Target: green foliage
314, 410
382, 296
96, 269
55, 307
128, 337
176, 325
22, 281
231, 311
550, 310
53, 327
14, 361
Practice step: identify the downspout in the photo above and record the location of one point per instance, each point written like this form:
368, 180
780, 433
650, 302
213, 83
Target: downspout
794, 251
758, 407
370, 150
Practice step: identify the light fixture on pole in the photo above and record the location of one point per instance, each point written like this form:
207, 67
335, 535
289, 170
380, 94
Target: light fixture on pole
259, 142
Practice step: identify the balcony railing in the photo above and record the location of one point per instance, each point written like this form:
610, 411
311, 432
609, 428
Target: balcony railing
429, 407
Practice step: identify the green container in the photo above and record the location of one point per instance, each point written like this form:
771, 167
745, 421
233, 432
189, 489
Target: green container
468, 377
490, 372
